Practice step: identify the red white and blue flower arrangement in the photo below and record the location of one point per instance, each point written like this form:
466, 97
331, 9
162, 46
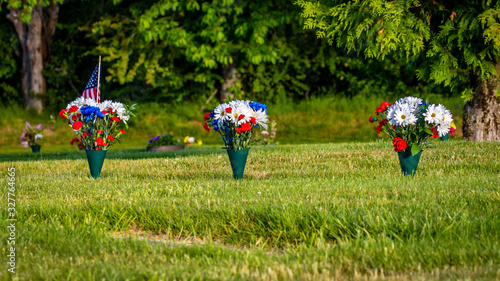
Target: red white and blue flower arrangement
235, 121
410, 122
97, 125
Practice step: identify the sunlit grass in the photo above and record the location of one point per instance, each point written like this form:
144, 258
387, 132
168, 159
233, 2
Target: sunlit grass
303, 212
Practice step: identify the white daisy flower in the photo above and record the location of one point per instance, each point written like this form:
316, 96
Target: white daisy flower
447, 118
240, 114
443, 129
261, 117
414, 104
120, 110
105, 105
434, 114
413, 101
220, 114
390, 113
238, 103
404, 116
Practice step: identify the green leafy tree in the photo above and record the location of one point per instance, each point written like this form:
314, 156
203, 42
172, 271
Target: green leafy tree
8, 64
35, 24
255, 49
184, 45
451, 43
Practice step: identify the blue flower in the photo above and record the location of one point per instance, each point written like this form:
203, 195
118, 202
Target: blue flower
212, 114
89, 110
258, 106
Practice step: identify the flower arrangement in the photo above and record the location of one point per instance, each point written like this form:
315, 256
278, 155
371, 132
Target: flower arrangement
234, 121
453, 128
166, 139
192, 141
31, 135
98, 125
269, 138
410, 122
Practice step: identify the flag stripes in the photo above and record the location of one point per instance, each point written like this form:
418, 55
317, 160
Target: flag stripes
92, 90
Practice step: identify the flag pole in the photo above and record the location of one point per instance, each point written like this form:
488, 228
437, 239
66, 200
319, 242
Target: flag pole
99, 75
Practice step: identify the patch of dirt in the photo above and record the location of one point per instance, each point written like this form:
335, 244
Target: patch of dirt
135, 232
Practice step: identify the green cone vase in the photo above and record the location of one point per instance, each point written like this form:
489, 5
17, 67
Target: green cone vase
408, 162
445, 137
35, 148
238, 159
96, 159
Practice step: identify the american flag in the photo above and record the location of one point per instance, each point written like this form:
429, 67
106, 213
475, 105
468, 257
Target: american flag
91, 90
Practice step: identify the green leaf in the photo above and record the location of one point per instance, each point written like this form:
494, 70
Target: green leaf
415, 148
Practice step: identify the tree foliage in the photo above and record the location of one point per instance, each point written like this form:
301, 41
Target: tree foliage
449, 42
168, 51
184, 46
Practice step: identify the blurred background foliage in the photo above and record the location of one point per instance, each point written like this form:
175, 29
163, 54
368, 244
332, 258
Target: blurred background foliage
169, 55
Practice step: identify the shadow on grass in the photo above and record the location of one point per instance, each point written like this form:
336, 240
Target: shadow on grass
130, 153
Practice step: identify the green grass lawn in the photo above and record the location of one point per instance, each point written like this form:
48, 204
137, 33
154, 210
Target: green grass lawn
301, 212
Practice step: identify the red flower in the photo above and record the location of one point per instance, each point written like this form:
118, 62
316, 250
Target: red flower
229, 109
98, 148
73, 108
206, 127
104, 112
238, 130
399, 144
72, 142
99, 131
74, 117
435, 134
452, 131
379, 128
100, 141
122, 131
383, 121
77, 125
371, 119
110, 138
81, 147
115, 119
385, 104
245, 127
111, 110
85, 134
394, 127
205, 117
241, 117
252, 119
383, 107
62, 113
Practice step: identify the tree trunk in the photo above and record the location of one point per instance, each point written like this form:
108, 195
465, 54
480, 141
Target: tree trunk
482, 113
35, 39
230, 79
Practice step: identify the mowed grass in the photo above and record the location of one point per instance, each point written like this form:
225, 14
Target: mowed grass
301, 212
